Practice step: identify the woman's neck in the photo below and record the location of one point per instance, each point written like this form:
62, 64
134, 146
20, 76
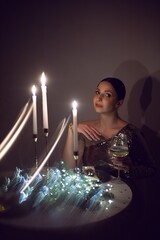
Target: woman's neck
110, 125
109, 121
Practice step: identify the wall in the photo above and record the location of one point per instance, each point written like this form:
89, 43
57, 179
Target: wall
77, 43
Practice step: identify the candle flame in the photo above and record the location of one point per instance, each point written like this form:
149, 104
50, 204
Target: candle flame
43, 79
34, 90
74, 104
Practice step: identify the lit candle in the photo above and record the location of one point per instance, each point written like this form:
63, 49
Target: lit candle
34, 98
75, 133
44, 103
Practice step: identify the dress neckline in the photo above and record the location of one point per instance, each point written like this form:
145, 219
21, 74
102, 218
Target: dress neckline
122, 129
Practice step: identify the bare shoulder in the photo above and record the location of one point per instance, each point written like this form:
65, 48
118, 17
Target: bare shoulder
122, 123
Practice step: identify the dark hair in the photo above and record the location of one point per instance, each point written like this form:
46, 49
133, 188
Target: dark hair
118, 85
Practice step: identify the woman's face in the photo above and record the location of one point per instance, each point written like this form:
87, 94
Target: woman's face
105, 98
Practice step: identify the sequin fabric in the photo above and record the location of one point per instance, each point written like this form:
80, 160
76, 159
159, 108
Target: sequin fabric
96, 154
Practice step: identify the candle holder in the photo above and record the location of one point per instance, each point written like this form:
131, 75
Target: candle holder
77, 169
35, 150
46, 132
46, 141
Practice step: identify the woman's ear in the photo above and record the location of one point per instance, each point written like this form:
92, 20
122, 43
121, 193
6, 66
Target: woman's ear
119, 103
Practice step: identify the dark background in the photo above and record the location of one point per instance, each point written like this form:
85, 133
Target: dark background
76, 44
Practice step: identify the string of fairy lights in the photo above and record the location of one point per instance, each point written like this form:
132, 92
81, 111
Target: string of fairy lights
60, 187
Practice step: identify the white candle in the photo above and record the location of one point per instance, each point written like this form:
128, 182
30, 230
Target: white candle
75, 133
44, 102
34, 98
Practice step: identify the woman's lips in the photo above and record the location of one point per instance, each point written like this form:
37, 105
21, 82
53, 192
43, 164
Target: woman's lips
98, 105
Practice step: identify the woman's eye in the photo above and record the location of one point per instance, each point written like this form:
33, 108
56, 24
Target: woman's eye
107, 94
96, 92
103, 95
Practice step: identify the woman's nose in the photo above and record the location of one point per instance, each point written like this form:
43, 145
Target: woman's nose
100, 96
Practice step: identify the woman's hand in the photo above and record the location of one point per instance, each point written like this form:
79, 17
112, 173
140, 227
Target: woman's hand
90, 132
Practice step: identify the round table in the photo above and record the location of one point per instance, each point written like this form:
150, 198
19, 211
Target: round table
69, 216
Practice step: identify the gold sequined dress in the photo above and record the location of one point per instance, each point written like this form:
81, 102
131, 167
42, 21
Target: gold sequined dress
96, 154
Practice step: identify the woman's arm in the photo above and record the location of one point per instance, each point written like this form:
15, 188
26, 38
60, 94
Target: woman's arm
67, 154
142, 161
86, 129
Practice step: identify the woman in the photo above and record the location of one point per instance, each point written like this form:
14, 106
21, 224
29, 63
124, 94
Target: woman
95, 137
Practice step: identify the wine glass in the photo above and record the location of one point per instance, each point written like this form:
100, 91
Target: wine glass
119, 149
